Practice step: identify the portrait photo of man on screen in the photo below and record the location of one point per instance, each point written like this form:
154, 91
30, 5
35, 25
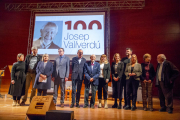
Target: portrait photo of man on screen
47, 35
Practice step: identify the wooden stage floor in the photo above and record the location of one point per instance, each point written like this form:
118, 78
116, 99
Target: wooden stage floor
7, 112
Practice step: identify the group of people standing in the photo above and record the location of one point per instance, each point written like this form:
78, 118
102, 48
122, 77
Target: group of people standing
126, 74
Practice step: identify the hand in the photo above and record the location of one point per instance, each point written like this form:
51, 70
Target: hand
91, 79
129, 74
66, 79
149, 81
115, 79
107, 80
133, 74
43, 76
145, 81
52, 79
12, 81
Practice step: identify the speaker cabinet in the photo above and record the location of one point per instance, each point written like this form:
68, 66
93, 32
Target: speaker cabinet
39, 106
59, 115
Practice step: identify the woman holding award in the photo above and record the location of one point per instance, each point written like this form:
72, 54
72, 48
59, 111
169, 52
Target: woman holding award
44, 70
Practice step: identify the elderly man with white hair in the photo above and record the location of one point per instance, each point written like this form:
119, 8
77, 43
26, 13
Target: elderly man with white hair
166, 73
48, 33
92, 72
31, 62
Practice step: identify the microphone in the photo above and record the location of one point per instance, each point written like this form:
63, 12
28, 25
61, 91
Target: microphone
4, 68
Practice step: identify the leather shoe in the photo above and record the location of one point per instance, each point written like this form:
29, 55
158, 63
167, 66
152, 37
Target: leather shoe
77, 105
114, 106
127, 107
133, 108
62, 105
72, 105
119, 107
170, 110
163, 109
92, 106
85, 106
22, 103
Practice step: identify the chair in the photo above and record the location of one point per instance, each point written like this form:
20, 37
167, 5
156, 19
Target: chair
68, 89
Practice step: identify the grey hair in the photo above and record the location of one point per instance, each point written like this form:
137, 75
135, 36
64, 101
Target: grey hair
44, 55
163, 56
34, 47
52, 25
93, 55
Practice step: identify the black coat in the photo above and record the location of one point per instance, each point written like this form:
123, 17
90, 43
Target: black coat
18, 75
168, 75
77, 69
152, 72
27, 61
120, 70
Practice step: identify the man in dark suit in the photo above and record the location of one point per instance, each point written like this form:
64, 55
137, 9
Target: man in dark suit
31, 62
77, 76
92, 72
60, 75
166, 73
125, 60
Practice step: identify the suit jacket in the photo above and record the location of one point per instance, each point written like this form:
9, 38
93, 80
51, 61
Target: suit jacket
152, 72
77, 69
89, 73
168, 75
120, 70
106, 71
27, 61
61, 68
45, 71
38, 45
137, 70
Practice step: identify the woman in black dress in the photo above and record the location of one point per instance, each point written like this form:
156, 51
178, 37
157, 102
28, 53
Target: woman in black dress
117, 69
17, 87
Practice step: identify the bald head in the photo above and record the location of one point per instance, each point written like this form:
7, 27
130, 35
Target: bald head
161, 58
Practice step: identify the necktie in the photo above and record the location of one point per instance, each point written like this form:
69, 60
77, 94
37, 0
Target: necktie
60, 59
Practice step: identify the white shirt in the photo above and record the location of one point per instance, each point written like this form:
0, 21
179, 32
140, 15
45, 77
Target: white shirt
79, 60
92, 65
101, 70
160, 71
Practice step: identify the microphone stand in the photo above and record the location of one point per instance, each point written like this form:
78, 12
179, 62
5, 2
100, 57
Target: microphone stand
1, 80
